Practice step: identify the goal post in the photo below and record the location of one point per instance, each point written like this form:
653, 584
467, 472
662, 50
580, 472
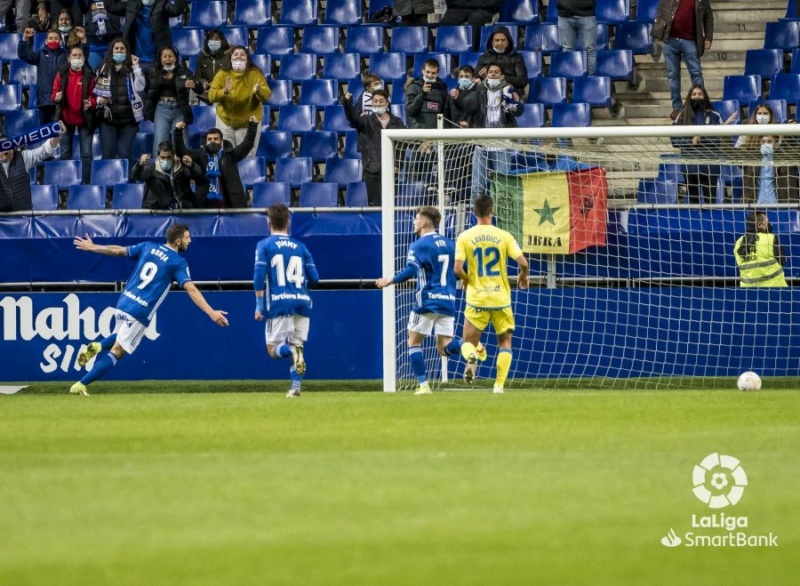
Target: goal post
648, 295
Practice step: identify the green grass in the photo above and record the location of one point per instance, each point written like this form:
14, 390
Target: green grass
538, 487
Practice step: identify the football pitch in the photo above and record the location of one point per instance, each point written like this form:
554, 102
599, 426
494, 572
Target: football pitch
165, 483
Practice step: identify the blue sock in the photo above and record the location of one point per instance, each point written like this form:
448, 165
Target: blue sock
295, 378
417, 361
102, 364
454, 347
108, 343
283, 351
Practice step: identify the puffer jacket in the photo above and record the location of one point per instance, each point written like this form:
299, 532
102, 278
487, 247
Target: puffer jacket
704, 22
513, 64
403, 7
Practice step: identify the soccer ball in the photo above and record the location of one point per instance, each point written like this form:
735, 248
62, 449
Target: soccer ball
749, 381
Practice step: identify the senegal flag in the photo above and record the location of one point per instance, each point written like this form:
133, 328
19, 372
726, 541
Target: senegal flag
553, 213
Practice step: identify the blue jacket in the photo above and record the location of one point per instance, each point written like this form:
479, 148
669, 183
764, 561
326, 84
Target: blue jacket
48, 63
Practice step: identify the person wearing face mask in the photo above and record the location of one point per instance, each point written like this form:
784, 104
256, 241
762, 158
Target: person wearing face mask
75, 107
146, 24
167, 179
240, 92
215, 55
371, 83
101, 27
464, 98
369, 126
221, 185
500, 50
783, 177
426, 98
759, 254
168, 95
15, 179
47, 61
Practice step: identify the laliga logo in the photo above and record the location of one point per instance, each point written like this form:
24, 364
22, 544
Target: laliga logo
719, 481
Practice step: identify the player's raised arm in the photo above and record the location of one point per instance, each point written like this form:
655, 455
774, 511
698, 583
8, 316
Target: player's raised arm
217, 316
89, 246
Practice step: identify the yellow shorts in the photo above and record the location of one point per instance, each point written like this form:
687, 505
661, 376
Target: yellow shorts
502, 320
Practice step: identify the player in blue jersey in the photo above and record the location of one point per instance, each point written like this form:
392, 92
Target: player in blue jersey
283, 270
430, 259
157, 267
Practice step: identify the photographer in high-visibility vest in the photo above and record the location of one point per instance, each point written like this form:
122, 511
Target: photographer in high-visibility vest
759, 255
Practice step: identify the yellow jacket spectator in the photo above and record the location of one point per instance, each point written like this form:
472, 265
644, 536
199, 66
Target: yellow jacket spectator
759, 255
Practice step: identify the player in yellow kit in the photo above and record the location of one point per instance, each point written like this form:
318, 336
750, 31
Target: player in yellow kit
486, 249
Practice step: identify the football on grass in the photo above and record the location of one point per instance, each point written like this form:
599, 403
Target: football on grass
749, 381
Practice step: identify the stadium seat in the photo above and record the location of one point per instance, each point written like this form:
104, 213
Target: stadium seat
575, 114
552, 12
763, 62
532, 116
275, 40
612, 11
548, 90
542, 37
634, 36
783, 35
319, 92
399, 110
319, 145
469, 58
616, 64
355, 195
86, 197
341, 66
205, 118
791, 11
20, 121
412, 194
252, 170
569, 64
44, 197
188, 41
533, 62
8, 46
453, 39
601, 39
388, 66
744, 88
365, 40
726, 108
593, 90
298, 13
271, 192
319, 195
342, 171
441, 58
274, 145
522, 11
127, 196
142, 144
779, 109
263, 62
350, 148
236, 36
657, 191
110, 172
320, 40
785, 86
730, 175
334, 120
10, 98
281, 92
293, 170
252, 13
209, 14
22, 73
646, 10
298, 67
62, 173
342, 12
410, 40
297, 119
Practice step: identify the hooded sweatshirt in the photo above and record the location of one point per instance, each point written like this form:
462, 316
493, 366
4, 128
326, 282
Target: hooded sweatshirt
513, 65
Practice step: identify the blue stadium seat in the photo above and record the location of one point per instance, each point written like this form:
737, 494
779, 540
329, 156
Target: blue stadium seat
412, 194
542, 37
293, 170
127, 196
523, 11
275, 40
453, 39
298, 13
593, 90
10, 99
236, 36
763, 62
209, 14
727, 107
188, 41
612, 11
375, 6
334, 120
8, 46
646, 10
469, 58
263, 62
342, 171
298, 67
744, 88
442, 59
297, 119
142, 144
252, 170
342, 12
533, 62
274, 145
616, 64
110, 172
567, 115
410, 40
601, 39
44, 197
355, 195
350, 150
657, 191
252, 13
85, 197
779, 109
488, 29
365, 39
319, 145
399, 110
281, 92
319, 195
791, 11
552, 12
569, 64
634, 36
320, 40
62, 173
205, 118
22, 73
388, 66
730, 175
271, 192
532, 116
783, 35
341, 66
319, 92
548, 90
785, 86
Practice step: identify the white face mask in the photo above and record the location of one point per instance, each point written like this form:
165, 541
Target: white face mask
148, 2
428, 79
766, 150
494, 83
762, 118
76, 64
377, 86
238, 65
379, 110
169, 67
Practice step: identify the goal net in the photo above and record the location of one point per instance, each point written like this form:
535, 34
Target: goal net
630, 234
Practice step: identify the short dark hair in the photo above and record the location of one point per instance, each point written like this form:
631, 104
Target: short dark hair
214, 131
176, 231
278, 216
431, 63
383, 93
431, 213
493, 64
467, 69
165, 146
483, 206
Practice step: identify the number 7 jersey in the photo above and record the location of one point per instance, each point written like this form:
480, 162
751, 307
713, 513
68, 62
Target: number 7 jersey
283, 270
486, 250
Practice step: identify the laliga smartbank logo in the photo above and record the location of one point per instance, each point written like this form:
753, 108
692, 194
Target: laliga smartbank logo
719, 481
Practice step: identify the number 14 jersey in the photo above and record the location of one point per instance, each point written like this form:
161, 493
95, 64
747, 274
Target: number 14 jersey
283, 270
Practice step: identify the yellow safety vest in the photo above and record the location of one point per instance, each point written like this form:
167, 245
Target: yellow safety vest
760, 269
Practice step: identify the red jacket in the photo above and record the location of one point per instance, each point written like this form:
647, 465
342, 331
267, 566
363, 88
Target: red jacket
72, 99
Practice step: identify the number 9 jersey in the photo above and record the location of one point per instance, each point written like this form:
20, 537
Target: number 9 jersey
486, 250
283, 270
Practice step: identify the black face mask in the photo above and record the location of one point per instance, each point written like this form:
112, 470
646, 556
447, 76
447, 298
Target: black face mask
698, 104
213, 148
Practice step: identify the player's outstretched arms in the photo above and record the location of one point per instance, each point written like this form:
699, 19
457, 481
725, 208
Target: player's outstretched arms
89, 246
217, 316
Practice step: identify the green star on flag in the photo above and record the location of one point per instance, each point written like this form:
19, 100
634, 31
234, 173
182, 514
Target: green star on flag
546, 213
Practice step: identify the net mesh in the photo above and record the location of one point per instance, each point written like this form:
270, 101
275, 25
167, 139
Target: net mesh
657, 303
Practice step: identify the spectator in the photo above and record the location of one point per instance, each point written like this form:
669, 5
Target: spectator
701, 179
15, 180
576, 20
371, 83
476, 13
426, 98
500, 50
498, 107
47, 61
686, 28
146, 24
75, 107
23, 11
215, 55
221, 186
759, 255
464, 98
369, 126
71, 36
240, 92
413, 12
48, 12
167, 180
119, 86
101, 27
168, 96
